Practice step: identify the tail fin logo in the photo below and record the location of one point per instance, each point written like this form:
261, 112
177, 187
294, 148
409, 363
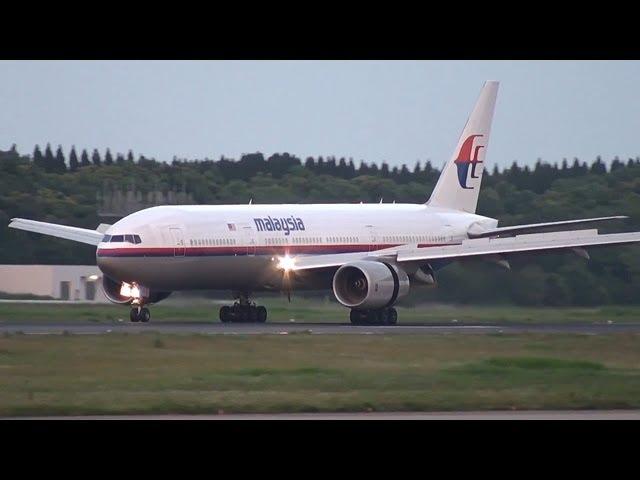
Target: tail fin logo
465, 159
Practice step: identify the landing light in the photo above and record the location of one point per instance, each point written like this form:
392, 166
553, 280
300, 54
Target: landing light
286, 263
135, 291
125, 290
93, 278
131, 291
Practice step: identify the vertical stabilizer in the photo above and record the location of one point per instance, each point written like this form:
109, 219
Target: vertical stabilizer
459, 183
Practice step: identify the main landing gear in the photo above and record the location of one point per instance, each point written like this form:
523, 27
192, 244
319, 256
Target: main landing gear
243, 311
140, 314
383, 316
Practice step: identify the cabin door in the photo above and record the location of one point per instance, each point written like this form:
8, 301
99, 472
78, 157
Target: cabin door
248, 239
373, 240
178, 241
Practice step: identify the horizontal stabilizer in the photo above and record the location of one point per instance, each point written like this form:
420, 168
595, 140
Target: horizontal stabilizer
476, 231
83, 235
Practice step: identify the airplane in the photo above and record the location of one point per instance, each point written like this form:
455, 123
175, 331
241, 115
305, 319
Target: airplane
368, 254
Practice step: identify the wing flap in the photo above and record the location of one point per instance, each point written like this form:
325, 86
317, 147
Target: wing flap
83, 235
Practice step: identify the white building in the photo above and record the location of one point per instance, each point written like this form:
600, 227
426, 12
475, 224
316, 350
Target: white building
62, 282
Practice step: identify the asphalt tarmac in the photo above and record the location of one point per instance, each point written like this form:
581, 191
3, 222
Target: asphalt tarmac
491, 415
216, 328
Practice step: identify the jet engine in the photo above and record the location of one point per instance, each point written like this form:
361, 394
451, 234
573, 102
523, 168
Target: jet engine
369, 285
125, 293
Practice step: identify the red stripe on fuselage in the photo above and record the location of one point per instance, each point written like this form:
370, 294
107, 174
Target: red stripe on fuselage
244, 250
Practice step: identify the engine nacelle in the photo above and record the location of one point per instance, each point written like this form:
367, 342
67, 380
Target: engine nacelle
125, 293
369, 285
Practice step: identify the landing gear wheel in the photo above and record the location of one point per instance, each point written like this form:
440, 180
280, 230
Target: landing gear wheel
243, 314
225, 314
384, 316
392, 316
145, 315
133, 315
357, 317
373, 317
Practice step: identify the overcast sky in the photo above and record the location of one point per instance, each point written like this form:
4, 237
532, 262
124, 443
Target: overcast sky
397, 111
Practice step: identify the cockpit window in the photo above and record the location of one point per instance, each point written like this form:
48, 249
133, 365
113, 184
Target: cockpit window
122, 238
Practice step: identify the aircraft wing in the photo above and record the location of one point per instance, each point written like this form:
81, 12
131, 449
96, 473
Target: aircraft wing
480, 247
83, 235
532, 227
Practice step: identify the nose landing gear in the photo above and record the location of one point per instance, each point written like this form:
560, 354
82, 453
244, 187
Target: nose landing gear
383, 316
140, 314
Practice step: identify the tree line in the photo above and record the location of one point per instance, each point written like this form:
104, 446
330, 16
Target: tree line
536, 179
48, 185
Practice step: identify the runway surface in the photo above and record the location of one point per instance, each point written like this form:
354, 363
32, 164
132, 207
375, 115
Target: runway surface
495, 415
94, 328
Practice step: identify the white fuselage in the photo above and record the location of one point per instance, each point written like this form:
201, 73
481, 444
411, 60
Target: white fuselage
235, 246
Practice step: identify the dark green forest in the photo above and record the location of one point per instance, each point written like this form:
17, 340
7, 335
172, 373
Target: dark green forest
71, 189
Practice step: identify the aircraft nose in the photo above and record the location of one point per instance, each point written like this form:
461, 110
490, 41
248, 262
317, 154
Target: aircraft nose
108, 265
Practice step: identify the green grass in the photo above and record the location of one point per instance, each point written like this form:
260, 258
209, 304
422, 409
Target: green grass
302, 311
151, 373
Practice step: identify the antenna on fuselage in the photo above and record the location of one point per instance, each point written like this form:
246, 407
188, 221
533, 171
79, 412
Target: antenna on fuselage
380, 199
250, 201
